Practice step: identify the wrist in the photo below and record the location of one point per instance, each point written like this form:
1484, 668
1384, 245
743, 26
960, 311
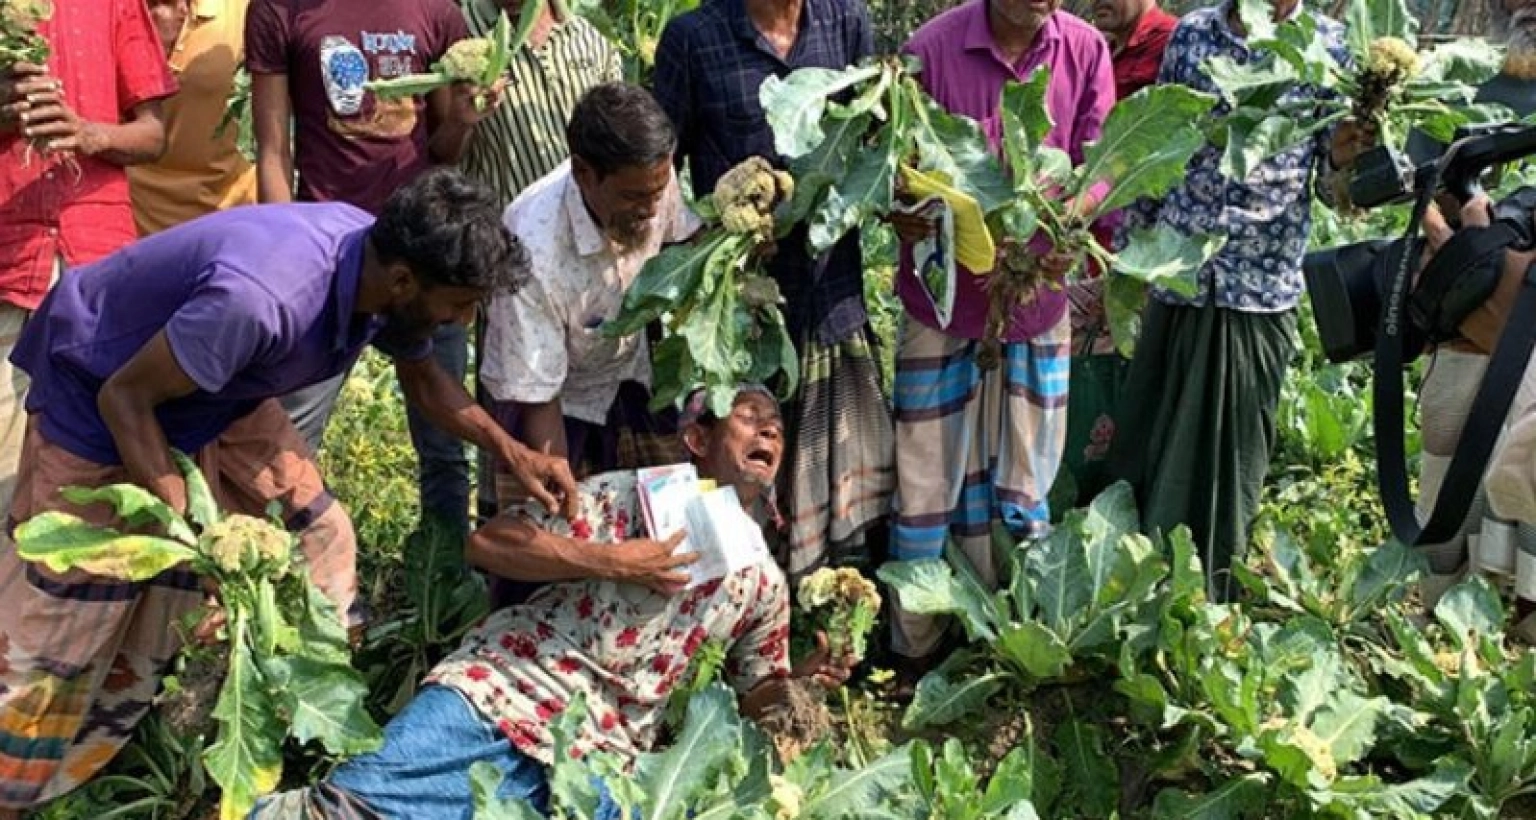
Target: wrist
93, 139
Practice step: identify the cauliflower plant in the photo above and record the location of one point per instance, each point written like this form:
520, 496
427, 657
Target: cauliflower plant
842, 603
747, 195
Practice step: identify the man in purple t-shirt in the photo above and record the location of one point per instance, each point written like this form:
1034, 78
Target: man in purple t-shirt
308, 62
184, 340
999, 432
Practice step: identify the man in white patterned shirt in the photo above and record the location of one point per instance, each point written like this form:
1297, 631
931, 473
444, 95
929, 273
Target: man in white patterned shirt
555, 380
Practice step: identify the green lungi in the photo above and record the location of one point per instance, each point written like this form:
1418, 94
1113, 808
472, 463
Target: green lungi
1197, 424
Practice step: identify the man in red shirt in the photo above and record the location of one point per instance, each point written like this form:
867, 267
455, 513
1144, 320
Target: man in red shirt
67, 129
1137, 31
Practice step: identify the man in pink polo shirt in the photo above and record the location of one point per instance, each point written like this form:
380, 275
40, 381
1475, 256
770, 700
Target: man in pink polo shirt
998, 433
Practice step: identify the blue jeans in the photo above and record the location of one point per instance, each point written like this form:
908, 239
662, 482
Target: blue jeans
422, 771
442, 476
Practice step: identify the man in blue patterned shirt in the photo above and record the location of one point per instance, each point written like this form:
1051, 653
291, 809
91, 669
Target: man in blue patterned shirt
1197, 420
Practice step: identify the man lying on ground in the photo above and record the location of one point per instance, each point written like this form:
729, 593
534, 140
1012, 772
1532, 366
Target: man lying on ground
184, 339
623, 639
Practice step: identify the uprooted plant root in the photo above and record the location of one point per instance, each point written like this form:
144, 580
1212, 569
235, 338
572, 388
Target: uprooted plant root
800, 722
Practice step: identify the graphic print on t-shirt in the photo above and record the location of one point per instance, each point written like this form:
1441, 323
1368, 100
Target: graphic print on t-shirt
345, 71
345, 68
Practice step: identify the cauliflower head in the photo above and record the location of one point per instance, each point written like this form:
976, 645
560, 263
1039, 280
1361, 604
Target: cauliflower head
24, 15
467, 60
1392, 59
241, 542
747, 194
786, 797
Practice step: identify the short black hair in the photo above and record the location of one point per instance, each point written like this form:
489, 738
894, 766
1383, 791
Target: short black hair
618, 125
447, 229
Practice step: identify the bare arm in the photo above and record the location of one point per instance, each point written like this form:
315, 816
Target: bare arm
127, 403
514, 548
271, 110
46, 117
448, 131
446, 404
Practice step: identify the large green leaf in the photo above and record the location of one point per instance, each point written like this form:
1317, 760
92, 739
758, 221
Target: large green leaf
1241, 798
1347, 723
1035, 650
794, 105
1163, 257
1146, 145
852, 794
1420, 798
62, 542
484, 781
247, 758
325, 702
929, 586
1092, 779
1255, 136
1251, 84
1367, 20
1026, 122
954, 147
136, 506
672, 779
1059, 570
664, 281
1385, 574
866, 189
824, 167
1470, 610
940, 700
1466, 60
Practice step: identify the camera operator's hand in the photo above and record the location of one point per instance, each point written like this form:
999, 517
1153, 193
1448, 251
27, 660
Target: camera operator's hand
1483, 325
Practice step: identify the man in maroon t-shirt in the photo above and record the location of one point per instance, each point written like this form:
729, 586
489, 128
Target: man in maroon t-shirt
309, 60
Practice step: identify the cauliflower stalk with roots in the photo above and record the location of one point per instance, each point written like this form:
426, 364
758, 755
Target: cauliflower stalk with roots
286, 648
843, 604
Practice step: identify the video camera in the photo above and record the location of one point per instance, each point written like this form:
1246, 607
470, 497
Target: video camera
1370, 298
1346, 283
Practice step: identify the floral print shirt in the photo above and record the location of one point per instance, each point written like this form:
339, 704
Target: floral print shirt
1266, 218
623, 646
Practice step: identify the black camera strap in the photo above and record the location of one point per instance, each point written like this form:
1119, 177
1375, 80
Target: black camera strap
1489, 408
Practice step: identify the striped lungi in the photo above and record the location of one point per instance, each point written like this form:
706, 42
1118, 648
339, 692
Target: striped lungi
839, 478
1485, 542
80, 655
973, 447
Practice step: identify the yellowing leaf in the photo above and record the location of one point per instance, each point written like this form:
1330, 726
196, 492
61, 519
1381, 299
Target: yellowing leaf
974, 247
61, 542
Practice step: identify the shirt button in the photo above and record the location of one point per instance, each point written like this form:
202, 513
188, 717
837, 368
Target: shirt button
47, 175
53, 232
